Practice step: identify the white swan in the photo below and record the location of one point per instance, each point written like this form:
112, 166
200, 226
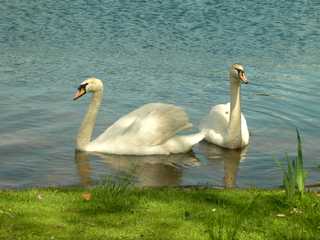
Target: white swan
148, 130
225, 125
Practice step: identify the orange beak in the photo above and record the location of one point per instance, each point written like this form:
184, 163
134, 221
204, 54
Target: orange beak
243, 78
79, 93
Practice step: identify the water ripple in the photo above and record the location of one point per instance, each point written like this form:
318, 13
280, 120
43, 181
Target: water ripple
145, 51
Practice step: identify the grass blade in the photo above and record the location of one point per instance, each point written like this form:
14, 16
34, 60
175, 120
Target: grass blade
291, 185
294, 176
299, 166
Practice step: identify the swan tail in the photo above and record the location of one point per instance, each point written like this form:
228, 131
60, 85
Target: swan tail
204, 131
182, 144
212, 137
195, 138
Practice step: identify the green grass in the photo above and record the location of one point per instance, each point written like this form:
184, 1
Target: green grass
122, 212
294, 175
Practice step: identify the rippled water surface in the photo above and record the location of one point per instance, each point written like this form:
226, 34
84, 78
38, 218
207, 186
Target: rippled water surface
148, 51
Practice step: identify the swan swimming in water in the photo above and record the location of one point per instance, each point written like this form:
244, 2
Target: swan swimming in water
225, 125
148, 130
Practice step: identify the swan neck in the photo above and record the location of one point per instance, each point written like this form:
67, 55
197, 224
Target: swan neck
88, 123
234, 129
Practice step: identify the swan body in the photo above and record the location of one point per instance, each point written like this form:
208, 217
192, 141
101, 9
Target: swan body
149, 130
225, 125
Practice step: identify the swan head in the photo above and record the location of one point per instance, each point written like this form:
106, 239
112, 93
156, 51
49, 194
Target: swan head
88, 85
237, 74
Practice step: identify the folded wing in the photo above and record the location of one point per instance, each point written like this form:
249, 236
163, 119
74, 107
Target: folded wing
150, 125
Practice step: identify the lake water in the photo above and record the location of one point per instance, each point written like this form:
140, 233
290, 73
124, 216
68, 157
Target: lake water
156, 51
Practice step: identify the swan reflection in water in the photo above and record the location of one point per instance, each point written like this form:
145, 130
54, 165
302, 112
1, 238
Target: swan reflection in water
230, 159
162, 170
154, 170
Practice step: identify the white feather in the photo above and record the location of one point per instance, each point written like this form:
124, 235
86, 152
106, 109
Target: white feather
225, 125
151, 129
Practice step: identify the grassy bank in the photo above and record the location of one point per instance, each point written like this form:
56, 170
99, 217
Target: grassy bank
113, 212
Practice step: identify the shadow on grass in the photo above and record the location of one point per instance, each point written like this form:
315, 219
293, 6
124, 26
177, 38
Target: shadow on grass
109, 197
227, 213
117, 211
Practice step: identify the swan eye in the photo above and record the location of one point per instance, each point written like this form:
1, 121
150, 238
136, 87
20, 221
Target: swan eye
82, 86
240, 73
239, 70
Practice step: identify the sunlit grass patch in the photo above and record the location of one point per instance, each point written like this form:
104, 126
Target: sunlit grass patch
125, 212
